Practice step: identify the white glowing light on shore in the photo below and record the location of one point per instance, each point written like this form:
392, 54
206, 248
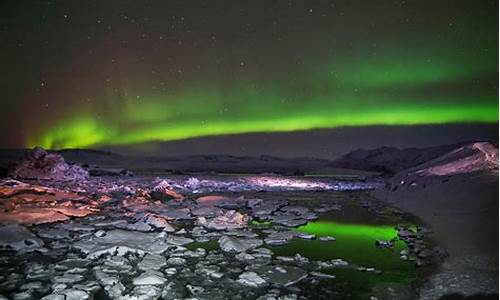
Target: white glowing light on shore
266, 181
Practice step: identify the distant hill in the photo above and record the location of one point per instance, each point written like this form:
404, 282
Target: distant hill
391, 160
199, 163
319, 143
481, 157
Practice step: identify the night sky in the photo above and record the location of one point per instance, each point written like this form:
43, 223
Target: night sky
97, 73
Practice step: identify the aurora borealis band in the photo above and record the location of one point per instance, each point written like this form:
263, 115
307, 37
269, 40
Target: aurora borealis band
93, 73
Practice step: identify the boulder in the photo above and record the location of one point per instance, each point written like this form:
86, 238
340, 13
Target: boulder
38, 164
251, 279
149, 278
18, 238
279, 238
164, 191
121, 242
152, 262
281, 275
232, 244
229, 220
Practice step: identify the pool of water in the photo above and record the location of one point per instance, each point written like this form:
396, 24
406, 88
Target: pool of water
355, 243
355, 235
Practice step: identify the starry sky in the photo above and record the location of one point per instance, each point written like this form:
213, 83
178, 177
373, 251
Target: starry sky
105, 73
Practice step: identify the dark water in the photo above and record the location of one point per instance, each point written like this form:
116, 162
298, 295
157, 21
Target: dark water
355, 231
355, 243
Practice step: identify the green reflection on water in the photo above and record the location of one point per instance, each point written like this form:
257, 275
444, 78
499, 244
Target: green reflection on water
354, 243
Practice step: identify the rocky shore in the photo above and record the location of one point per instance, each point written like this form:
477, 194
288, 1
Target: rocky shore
94, 239
210, 237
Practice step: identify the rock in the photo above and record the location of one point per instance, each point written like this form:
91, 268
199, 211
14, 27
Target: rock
32, 216
23, 296
263, 251
266, 208
54, 297
170, 271
327, 238
228, 221
137, 226
112, 268
38, 164
152, 262
144, 292
92, 287
298, 259
232, 203
54, 233
206, 211
57, 287
251, 279
70, 294
173, 290
177, 214
384, 244
121, 242
231, 244
183, 252
281, 275
72, 263
271, 294
159, 222
178, 240
210, 199
34, 286
149, 278
100, 233
161, 185
251, 203
285, 258
322, 275
35, 271
243, 256
279, 238
365, 269
164, 191
74, 294
209, 270
405, 233
306, 236
18, 238
176, 261
181, 231
289, 220
115, 291
333, 263
68, 278
33, 204
194, 290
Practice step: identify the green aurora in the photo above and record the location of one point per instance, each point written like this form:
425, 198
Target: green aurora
193, 114
404, 89
418, 63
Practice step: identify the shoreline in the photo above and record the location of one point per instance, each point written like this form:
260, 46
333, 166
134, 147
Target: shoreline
462, 211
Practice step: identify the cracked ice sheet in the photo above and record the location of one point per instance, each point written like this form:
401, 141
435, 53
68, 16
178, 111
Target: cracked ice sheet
123, 241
